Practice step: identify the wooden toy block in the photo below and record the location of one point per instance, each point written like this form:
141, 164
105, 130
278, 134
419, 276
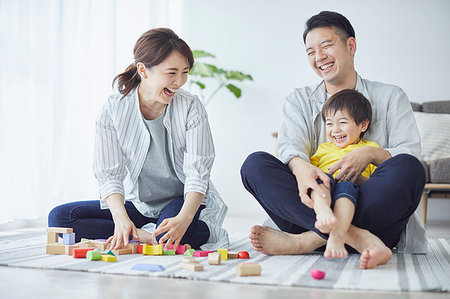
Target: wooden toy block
248, 269
243, 255
187, 246
70, 248
148, 267
189, 259
168, 252
189, 252
133, 247
85, 244
191, 266
93, 255
107, 251
57, 248
224, 253
140, 248
69, 239
148, 249
214, 258
52, 238
108, 258
80, 252
232, 255
102, 246
84, 240
122, 251
202, 253
181, 249
60, 230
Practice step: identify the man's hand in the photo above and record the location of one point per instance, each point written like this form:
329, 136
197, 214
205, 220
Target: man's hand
352, 164
306, 175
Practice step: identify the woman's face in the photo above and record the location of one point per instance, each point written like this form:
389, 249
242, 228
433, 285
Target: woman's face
161, 82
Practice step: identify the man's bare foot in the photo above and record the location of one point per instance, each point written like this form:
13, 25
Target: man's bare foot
335, 247
377, 256
274, 242
325, 219
145, 237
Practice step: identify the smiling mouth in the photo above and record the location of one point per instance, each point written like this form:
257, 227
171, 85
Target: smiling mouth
169, 91
326, 66
339, 139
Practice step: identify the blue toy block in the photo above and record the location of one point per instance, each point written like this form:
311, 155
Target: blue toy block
148, 267
69, 239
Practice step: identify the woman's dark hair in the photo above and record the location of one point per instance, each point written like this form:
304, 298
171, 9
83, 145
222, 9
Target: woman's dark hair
351, 101
152, 48
330, 19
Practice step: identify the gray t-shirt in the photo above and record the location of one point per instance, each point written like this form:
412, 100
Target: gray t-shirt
158, 182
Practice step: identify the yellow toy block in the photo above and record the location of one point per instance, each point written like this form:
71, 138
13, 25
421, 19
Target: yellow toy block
152, 249
108, 258
223, 253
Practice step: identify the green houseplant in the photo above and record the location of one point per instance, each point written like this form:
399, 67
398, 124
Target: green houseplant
224, 78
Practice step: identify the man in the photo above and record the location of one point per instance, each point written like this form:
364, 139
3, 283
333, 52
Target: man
386, 201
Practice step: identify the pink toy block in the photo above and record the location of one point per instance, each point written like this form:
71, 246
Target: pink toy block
202, 253
180, 249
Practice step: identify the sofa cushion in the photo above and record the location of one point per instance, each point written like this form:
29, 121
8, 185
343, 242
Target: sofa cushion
440, 171
427, 171
436, 107
434, 134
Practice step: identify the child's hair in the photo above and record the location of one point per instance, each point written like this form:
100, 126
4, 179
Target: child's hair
351, 101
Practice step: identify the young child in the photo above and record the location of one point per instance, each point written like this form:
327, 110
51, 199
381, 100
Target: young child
347, 115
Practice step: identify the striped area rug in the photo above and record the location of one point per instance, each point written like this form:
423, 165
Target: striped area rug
430, 272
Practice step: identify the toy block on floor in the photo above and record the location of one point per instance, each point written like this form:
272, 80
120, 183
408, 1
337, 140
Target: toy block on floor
57, 248
60, 230
248, 269
190, 259
140, 248
93, 255
69, 239
243, 255
107, 251
148, 267
191, 266
168, 252
214, 258
102, 246
80, 252
202, 253
181, 249
189, 252
52, 238
108, 258
187, 246
232, 255
224, 253
122, 251
148, 249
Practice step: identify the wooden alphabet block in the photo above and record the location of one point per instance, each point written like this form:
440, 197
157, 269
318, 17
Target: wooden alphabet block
191, 266
214, 258
248, 269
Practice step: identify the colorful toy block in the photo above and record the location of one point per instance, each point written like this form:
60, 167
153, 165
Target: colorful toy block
148, 249
69, 239
140, 248
243, 255
248, 269
168, 252
224, 253
148, 267
93, 255
181, 249
189, 252
214, 258
108, 258
191, 266
233, 255
107, 251
317, 274
202, 253
80, 252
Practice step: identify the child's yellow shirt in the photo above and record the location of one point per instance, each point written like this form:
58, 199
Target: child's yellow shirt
327, 154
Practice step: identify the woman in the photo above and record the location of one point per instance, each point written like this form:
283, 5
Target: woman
153, 157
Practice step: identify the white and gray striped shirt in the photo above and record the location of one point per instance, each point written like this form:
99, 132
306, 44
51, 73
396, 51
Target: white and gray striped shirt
122, 142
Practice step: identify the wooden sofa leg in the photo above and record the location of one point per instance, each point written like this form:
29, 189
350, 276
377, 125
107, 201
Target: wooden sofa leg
423, 206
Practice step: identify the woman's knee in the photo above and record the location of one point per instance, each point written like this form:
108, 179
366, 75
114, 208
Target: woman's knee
56, 216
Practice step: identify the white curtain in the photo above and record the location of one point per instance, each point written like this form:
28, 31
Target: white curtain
57, 61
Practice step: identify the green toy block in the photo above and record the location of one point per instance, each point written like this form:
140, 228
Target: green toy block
168, 252
189, 252
93, 255
107, 251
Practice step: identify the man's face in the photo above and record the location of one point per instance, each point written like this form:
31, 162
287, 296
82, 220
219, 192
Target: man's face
330, 57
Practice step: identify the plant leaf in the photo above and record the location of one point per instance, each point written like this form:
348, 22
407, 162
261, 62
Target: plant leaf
239, 76
200, 84
235, 90
201, 53
202, 69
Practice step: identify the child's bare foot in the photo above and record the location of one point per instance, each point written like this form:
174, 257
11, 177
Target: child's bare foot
376, 256
274, 242
335, 247
145, 237
325, 219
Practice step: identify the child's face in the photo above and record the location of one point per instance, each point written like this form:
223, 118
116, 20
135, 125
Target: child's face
342, 129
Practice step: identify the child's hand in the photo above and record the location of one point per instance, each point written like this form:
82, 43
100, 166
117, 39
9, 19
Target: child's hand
175, 228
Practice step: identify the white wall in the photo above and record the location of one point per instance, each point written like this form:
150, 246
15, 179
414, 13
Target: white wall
405, 43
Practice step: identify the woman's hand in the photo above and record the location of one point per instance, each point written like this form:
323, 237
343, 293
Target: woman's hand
175, 228
306, 175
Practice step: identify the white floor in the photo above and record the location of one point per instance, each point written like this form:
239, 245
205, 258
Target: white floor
37, 283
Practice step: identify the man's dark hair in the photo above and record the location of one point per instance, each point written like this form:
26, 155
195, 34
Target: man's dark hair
350, 101
330, 19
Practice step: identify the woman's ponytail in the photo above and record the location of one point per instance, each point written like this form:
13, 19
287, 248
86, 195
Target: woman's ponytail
127, 81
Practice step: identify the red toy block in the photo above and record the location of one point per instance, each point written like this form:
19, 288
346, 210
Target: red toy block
80, 252
202, 253
243, 255
140, 248
180, 249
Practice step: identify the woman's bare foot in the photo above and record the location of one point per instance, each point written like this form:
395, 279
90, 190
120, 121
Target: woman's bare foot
372, 249
335, 247
274, 242
145, 237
